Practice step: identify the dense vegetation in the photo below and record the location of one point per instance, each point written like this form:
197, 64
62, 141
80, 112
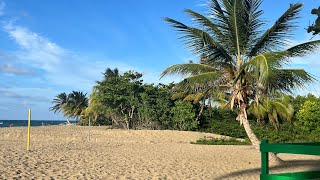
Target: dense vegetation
154, 108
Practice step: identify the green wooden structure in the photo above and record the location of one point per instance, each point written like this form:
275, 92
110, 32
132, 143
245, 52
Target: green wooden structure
289, 148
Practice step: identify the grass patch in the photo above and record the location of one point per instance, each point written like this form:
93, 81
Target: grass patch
221, 141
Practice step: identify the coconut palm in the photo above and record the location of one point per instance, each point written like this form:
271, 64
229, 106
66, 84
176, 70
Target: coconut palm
71, 105
239, 59
77, 102
59, 102
111, 73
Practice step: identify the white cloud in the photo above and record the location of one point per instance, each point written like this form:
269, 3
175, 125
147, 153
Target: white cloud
11, 69
63, 67
58, 70
36, 49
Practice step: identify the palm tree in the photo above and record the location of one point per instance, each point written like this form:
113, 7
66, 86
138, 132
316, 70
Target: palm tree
96, 108
77, 102
238, 59
59, 102
111, 73
71, 105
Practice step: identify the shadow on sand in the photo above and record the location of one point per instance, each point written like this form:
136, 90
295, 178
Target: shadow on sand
308, 165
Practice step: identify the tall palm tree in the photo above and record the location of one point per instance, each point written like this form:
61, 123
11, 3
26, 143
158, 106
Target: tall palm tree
238, 58
59, 102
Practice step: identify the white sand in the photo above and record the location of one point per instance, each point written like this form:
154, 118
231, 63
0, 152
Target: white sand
65, 152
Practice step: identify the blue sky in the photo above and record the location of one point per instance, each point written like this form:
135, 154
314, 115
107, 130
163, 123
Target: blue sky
48, 47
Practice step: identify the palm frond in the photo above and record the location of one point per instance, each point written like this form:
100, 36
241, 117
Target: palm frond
208, 77
286, 80
208, 25
190, 97
304, 49
285, 111
187, 69
200, 42
264, 65
276, 36
178, 95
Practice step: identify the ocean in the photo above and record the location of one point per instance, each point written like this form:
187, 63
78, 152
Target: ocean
19, 123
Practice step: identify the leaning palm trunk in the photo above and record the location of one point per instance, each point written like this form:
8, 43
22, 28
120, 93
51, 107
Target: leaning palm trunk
200, 112
68, 122
242, 117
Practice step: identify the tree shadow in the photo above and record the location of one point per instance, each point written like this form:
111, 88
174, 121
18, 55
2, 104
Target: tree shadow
308, 165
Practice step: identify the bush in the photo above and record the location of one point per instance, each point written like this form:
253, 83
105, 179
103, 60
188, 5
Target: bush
221, 121
184, 116
309, 116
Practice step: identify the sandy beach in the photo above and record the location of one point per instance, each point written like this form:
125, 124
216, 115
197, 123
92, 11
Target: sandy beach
73, 152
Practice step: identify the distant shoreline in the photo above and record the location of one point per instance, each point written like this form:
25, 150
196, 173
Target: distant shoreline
23, 123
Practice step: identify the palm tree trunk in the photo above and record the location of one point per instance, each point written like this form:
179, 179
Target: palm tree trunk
200, 113
68, 122
253, 138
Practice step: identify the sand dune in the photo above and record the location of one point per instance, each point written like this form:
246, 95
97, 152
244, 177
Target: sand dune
72, 152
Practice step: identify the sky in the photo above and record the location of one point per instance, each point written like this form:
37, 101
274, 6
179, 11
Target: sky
49, 47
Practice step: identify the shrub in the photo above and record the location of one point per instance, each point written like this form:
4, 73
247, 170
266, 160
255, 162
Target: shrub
184, 116
309, 116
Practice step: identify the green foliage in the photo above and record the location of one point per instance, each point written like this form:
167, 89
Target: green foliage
72, 105
120, 95
221, 141
273, 111
77, 102
309, 116
155, 106
298, 101
184, 116
96, 112
286, 133
131, 104
221, 121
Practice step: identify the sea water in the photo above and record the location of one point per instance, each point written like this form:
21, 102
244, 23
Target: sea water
19, 123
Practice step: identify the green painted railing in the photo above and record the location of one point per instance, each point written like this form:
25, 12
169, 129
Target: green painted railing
289, 148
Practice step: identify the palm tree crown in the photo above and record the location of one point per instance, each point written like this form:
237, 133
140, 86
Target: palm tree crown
236, 57
71, 105
59, 101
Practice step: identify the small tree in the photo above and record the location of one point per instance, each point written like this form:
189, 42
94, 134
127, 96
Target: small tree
184, 116
120, 94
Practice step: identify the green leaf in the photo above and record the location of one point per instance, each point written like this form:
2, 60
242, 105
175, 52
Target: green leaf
304, 49
276, 36
187, 69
